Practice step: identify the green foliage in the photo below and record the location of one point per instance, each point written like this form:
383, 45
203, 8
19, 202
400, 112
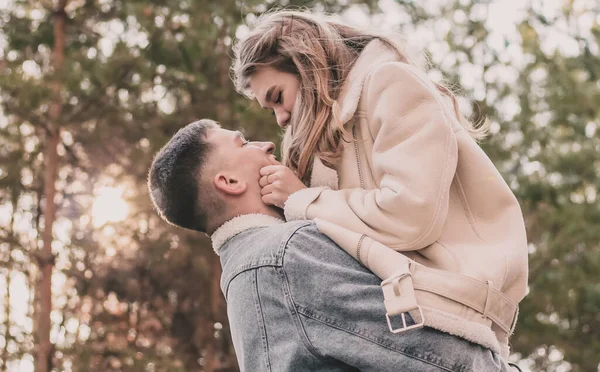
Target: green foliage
545, 143
135, 294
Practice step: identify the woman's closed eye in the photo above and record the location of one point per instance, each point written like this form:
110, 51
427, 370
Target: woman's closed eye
279, 99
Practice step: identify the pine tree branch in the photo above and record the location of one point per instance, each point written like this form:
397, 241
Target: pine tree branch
90, 107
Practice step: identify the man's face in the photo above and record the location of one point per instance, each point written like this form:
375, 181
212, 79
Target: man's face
242, 158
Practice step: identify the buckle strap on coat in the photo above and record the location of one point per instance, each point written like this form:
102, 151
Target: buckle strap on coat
475, 294
410, 277
404, 277
400, 299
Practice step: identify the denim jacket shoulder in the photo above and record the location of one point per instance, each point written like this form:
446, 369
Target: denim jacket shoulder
298, 302
256, 247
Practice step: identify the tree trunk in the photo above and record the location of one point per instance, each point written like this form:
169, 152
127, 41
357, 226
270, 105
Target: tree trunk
7, 337
212, 354
46, 258
9, 267
216, 298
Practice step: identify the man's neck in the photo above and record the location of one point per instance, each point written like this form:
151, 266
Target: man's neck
242, 206
240, 224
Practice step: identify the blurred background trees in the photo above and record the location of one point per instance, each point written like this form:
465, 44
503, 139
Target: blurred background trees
90, 90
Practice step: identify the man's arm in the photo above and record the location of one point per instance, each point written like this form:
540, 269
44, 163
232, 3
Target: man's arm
341, 315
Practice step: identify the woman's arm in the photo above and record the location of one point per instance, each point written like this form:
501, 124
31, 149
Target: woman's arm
414, 155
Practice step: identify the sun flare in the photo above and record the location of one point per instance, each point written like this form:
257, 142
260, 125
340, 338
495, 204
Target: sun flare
109, 206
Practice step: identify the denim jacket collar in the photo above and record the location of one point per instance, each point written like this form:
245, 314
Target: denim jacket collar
239, 224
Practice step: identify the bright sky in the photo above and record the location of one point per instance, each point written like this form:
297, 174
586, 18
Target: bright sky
109, 206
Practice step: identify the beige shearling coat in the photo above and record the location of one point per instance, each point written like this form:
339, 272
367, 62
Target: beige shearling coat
411, 178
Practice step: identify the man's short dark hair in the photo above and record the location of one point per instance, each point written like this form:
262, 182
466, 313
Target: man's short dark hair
175, 178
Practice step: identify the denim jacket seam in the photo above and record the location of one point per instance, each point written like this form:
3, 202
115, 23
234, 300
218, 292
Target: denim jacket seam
286, 240
425, 358
264, 261
296, 316
261, 316
242, 270
290, 300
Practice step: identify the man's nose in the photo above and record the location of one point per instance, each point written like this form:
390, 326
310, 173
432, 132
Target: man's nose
268, 147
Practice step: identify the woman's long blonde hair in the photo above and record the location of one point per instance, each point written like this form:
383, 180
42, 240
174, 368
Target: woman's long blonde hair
320, 52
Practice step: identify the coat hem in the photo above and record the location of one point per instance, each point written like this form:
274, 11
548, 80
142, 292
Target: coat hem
470, 331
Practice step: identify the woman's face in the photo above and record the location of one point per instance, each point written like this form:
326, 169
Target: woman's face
277, 91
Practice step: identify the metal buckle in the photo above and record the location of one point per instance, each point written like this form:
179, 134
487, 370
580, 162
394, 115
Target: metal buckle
404, 326
395, 283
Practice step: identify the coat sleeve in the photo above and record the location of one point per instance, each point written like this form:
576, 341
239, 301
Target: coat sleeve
415, 157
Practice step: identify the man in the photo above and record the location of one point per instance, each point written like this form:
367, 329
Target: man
295, 300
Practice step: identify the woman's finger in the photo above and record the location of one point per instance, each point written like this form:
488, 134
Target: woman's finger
270, 169
274, 177
267, 189
268, 199
264, 181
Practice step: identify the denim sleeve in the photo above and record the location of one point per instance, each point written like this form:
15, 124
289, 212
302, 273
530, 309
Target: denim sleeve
265, 332
340, 311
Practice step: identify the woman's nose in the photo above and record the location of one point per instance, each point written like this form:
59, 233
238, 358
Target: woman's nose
283, 117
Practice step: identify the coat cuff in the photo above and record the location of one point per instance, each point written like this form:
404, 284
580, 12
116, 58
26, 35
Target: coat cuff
297, 204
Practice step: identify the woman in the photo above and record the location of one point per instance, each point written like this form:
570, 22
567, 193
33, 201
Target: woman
389, 159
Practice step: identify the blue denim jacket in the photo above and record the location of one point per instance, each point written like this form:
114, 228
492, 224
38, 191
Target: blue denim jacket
297, 302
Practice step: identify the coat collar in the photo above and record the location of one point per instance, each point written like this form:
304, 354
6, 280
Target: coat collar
240, 224
375, 53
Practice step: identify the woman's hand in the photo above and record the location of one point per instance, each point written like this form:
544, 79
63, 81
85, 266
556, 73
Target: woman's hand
278, 182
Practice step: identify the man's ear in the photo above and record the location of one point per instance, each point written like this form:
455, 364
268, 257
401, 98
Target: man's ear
229, 184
